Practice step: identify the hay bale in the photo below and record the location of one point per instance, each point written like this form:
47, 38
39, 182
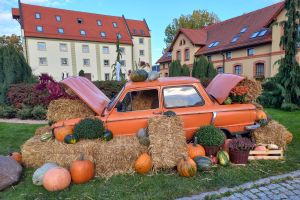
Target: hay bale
255, 89
42, 130
111, 158
167, 141
63, 109
144, 101
288, 137
273, 133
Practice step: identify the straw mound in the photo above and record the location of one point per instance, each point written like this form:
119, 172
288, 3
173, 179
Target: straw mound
167, 141
255, 89
62, 109
273, 133
42, 130
288, 137
111, 158
144, 101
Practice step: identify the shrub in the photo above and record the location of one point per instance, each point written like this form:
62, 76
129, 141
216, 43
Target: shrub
7, 112
241, 144
110, 88
210, 136
39, 112
24, 113
89, 128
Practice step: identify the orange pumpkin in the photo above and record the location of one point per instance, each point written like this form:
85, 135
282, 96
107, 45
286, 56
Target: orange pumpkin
143, 164
16, 156
226, 145
187, 167
195, 149
82, 170
56, 179
61, 132
261, 115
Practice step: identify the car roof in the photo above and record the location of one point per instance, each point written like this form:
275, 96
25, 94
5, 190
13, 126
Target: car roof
164, 81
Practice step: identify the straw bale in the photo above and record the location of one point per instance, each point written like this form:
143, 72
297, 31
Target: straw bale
143, 102
42, 130
273, 133
255, 89
167, 141
62, 109
288, 137
111, 158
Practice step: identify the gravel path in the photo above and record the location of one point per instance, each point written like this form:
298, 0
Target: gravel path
19, 121
286, 186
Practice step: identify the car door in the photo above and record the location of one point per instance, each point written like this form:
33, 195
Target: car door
133, 111
186, 102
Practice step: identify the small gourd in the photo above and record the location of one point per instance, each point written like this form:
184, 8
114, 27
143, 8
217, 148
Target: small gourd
143, 164
38, 175
187, 167
195, 149
82, 170
71, 139
107, 136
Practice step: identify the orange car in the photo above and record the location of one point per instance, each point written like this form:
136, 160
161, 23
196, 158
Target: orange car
138, 101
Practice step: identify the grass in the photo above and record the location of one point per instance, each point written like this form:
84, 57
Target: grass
164, 185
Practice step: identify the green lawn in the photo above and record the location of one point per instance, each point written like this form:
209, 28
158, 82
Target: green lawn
164, 185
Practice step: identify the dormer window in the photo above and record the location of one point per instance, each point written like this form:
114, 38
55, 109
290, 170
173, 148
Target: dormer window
134, 31
213, 44
244, 29
262, 33
37, 15
60, 30
39, 28
254, 35
82, 32
235, 38
103, 34
99, 22
115, 25
58, 18
119, 36
142, 32
79, 21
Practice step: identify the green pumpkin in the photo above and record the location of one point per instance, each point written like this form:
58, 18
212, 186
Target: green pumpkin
203, 163
169, 113
138, 75
107, 136
46, 137
223, 158
71, 139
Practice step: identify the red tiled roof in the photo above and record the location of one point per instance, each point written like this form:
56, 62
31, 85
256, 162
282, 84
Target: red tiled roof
138, 28
71, 27
224, 32
165, 58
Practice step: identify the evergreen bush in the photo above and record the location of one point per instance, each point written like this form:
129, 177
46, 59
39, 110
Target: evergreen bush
210, 136
24, 113
39, 112
89, 128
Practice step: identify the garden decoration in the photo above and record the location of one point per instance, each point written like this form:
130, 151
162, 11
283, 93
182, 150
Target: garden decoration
17, 156
38, 175
203, 163
187, 167
195, 149
61, 132
56, 179
10, 172
143, 164
223, 158
82, 170
138, 75
239, 150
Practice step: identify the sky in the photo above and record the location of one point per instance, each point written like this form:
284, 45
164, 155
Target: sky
158, 13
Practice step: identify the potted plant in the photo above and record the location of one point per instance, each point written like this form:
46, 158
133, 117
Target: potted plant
239, 150
211, 138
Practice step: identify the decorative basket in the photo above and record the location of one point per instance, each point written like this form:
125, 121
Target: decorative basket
211, 150
239, 157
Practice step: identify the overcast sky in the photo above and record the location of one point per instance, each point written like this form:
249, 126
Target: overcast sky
158, 13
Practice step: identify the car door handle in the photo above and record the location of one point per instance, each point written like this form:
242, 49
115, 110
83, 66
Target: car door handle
157, 113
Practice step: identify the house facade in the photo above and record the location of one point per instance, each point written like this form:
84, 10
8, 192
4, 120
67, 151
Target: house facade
64, 42
247, 45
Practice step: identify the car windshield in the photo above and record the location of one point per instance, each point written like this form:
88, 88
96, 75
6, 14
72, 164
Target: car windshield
114, 99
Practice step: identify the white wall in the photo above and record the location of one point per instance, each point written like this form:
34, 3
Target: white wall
146, 47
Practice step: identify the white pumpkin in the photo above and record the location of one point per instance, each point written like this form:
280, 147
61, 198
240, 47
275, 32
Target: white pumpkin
38, 175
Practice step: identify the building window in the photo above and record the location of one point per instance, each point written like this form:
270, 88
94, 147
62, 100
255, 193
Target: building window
220, 70
178, 55
103, 34
82, 32
37, 15
142, 53
134, 31
43, 61
123, 63
60, 30
235, 38
250, 52
142, 32
41, 46
141, 40
115, 25
64, 61
58, 18
244, 29
106, 76
209, 58
79, 21
254, 35
85, 48
86, 62
213, 44
238, 69
259, 69
262, 33
99, 22
39, 28
228, 55
105, 50
186, 54
119, 36
106, 63
122, 50
63, 47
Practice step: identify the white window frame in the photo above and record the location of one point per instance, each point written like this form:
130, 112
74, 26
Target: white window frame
82, 32
106, 75
63, 30
64, 64
141, 40
105, 61
42, 43
58, 18
103, 34
142, 54
99, 22
248, 52
61, 48
115, 24
37, 14
88, 64
39, 28
104, 51
85, 48
227, 55
45, 63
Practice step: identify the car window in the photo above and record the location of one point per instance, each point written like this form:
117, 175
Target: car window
139, 100
183, 96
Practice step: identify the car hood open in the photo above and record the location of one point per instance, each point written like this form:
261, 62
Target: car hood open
221, 86
88, 93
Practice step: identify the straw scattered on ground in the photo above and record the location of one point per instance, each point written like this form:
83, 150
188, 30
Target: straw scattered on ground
62, 109
167, 141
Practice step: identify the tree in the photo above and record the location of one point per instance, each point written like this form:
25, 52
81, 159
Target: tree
198, 19
185, 71
203, 69
13, 40
288, 76
175, 68
118, 59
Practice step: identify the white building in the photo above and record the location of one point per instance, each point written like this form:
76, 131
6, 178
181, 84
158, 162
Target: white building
63, 42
